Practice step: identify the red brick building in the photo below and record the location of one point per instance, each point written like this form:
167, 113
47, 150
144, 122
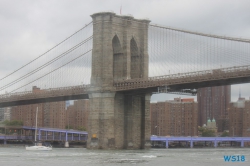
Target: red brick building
213, 102
78, 114
175, 118
49, 114
239, 118
27, 114
55, 114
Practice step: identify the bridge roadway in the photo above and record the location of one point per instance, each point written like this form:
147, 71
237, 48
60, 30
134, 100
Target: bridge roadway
49, 134
215, 140
192, 80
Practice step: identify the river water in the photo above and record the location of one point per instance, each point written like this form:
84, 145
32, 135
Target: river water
18, 156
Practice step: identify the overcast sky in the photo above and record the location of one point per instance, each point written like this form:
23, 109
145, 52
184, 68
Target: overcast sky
29, 28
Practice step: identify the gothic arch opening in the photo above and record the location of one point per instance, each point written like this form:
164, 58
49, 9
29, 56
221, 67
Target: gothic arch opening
135, 68
117, 59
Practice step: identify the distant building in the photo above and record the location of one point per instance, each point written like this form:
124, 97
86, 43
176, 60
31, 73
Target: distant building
27, 114
211, 125
223, 123
1, 114
67, 104
53, 114
77, 114
56, 115
49, 114
214, 102
176, 117
7, 113
71, 117
239, 118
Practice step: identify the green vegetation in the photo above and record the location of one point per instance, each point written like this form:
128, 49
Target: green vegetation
206, 132
82, 128
13, 123
69, 127
2, 130
225, 134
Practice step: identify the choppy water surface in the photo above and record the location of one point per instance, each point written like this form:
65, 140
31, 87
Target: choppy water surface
18, 156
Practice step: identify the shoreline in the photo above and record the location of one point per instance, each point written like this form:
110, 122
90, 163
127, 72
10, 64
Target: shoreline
83, 146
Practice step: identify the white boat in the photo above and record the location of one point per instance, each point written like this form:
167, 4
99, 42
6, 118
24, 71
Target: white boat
38, 146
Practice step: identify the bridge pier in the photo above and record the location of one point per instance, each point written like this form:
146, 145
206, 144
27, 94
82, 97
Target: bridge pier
66, 145
39, 135
242, 144
137, 122
215, 144
101, 121
166, 143
191, 144
119, 121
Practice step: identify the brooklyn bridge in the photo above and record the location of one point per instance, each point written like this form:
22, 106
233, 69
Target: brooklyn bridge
117, 62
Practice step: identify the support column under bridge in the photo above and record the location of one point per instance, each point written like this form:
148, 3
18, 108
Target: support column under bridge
118, 120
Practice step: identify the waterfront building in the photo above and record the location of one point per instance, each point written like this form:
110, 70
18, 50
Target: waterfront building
7, 113
211, 125
214, 102
176, 117
50, 115
71, 117
27, 114
239, 118
67, 104
77, 114
56, 115
1, 114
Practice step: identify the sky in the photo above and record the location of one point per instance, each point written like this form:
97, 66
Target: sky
30, 28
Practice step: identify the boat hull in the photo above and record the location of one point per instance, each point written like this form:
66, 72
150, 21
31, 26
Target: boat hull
38, 148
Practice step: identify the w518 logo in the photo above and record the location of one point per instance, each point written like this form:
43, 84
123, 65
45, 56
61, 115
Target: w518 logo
234, 158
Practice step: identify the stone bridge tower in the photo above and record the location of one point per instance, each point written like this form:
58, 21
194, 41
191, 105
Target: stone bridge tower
118, 120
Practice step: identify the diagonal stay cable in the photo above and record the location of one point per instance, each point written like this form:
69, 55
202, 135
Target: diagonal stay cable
46, 52
52, 70
46, 64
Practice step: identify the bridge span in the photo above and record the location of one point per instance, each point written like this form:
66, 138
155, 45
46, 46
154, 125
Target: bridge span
174, 82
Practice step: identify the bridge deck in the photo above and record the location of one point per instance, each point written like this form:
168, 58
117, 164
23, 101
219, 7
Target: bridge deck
193, 80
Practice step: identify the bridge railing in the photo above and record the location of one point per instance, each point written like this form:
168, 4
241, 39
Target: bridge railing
198, 76
162, 138
62, 91
15, 137
63, 138
166, 80
49, 138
